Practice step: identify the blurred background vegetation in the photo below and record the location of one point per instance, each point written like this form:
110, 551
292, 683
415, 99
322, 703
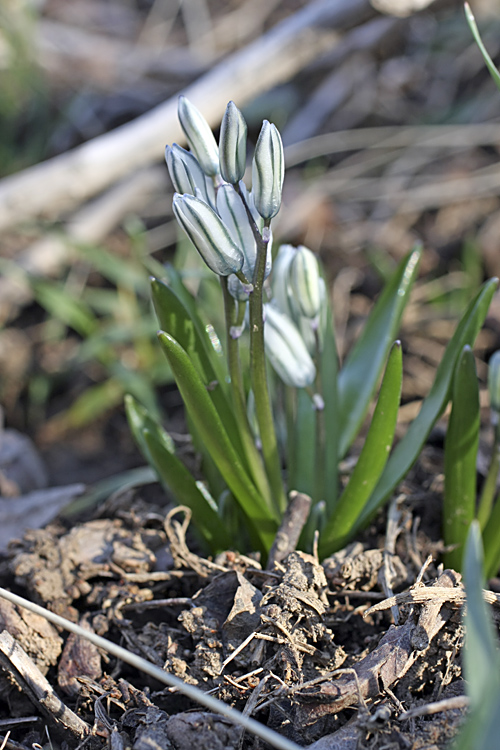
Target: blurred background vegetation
391, 137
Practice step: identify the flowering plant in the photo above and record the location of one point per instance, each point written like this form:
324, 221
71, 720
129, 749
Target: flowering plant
280, 309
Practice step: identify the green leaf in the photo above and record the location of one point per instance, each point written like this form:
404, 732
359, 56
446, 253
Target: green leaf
95, 401
158, 449
372, 460
475, 33
360, 374
462, 441
187, 491
211, 430
304, 435
139, 419
408, 449
481, 658
185, 326
491, 541
329, 371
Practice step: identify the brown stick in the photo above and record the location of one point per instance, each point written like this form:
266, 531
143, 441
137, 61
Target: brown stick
27, 675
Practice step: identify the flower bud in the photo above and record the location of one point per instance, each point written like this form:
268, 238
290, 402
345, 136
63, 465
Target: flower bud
185, 172
268, 171
281, 279
305, 283
494, 386
233, 145
200, 137
286, 350
208, 234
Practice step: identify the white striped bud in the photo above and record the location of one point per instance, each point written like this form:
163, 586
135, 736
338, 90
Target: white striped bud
233, 145
208, 234
200, 137
286, 350
186, 173
305, 286
268, 171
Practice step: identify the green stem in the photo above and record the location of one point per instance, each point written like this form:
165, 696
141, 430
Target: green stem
251, 453
260, 388
490, 484
259, 382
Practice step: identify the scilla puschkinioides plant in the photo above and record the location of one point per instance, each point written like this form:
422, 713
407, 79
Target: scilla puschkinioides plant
280, 309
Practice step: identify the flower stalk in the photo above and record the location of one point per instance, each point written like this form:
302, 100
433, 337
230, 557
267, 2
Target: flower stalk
258, 375
233, 321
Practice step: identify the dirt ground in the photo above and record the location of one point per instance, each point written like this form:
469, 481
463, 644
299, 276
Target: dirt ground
313, 651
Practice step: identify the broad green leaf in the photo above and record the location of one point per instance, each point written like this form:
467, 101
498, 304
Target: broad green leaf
371, 461
475, 33
460, 455
211, 430
408, 449
481, 657
360, 374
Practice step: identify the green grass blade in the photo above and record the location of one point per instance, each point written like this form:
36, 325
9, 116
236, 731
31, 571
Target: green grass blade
462, 441
64, 306
372, 460
481, 657
211, 430
360, 374
408, 449
475, 33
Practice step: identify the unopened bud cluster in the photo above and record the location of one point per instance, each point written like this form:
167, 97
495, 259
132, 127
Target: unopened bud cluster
230, 226
212, 203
